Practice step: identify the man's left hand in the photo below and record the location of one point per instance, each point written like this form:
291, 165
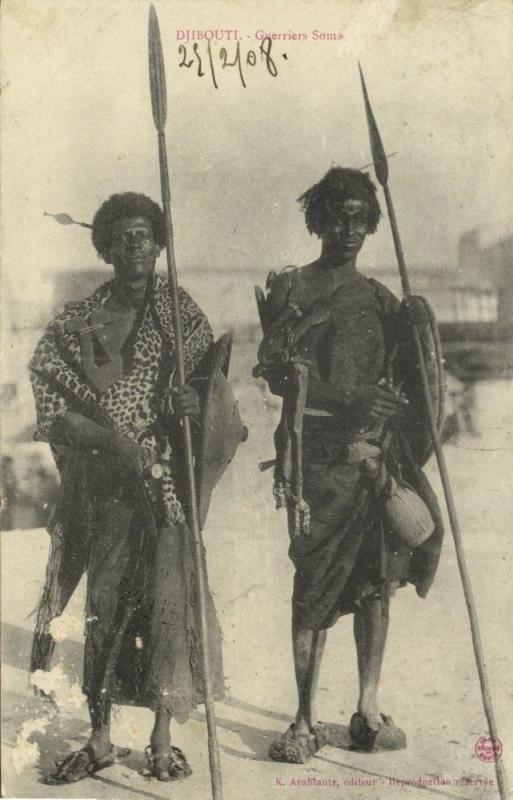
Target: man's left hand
185, 401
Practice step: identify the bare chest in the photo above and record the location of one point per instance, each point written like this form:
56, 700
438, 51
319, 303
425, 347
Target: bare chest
350, 344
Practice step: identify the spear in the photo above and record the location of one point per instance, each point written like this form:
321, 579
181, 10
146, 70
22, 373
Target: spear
381, 170
159, 109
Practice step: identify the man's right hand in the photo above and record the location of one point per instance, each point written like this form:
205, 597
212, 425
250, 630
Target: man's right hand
378, 404
128, 458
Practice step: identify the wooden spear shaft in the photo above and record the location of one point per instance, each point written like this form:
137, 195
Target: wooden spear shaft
159, 108
381, 169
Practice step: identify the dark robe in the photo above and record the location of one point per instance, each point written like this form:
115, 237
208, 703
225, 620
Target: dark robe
349, 553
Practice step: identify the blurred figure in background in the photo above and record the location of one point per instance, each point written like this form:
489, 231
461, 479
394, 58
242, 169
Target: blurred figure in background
9, 489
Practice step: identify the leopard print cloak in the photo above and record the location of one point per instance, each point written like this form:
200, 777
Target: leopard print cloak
133, 406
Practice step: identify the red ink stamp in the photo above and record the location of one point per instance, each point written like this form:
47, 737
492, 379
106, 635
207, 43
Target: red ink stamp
488, 748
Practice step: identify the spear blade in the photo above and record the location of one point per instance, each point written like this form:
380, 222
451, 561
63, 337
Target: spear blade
377, 149
157, 73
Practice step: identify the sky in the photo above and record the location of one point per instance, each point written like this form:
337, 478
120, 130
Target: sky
77, 125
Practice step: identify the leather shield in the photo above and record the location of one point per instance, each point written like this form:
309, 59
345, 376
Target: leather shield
222, 429
417, 426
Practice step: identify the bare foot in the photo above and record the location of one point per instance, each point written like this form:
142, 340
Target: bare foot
370, 714
302, 727
100, 744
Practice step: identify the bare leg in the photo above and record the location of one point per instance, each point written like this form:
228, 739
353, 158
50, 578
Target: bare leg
308, 648
166, 762
370, 632
160, 739
99, 741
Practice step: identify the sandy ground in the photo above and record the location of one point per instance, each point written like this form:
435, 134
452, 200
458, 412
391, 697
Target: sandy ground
429, 685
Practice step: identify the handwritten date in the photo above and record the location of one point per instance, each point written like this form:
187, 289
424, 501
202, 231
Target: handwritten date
223, 60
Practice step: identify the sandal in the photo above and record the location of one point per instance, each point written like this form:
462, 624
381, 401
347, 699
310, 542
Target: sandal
296, 748
83, 763
167, 766
386, 737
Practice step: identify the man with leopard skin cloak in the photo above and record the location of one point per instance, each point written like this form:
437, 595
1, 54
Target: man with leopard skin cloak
101, 376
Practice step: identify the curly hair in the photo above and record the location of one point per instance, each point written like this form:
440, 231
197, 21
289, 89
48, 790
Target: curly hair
339, 184
123, 206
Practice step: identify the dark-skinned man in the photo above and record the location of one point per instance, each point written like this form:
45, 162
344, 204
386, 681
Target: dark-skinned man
101, 377
334, 350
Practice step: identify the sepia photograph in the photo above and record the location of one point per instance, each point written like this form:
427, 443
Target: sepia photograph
256, 399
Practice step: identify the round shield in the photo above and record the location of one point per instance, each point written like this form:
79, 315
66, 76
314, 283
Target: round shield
222, 429
417, 426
